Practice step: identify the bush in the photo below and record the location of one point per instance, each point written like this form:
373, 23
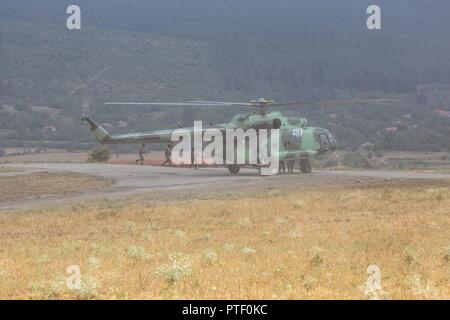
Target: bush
331, 163
356, 160
2, 152
22, 107
100, 154
379, 153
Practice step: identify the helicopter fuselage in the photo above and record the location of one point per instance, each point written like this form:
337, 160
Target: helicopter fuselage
297, 141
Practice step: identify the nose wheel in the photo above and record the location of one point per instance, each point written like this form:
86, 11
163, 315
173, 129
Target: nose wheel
305, 166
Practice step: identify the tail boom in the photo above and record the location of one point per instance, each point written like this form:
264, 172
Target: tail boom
99, 132
105, 137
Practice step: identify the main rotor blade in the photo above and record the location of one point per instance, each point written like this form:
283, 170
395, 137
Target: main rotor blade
333, 102
177, 104
262, 104
243, 104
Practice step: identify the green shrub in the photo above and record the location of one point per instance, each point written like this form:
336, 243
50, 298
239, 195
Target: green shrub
100, 154
378, 153
22, 107
356, 160
331, 163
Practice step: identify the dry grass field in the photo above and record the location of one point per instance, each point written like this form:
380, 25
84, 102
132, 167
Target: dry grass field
54, 156
61, 156
10, 169
46, 183
275, 245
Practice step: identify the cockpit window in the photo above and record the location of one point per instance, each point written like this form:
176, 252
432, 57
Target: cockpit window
294, 122
324, 141
276, 124
332, 140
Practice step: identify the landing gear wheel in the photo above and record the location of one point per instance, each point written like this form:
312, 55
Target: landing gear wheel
305, 166
234, 169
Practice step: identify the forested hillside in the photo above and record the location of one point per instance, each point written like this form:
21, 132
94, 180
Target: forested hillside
226, 50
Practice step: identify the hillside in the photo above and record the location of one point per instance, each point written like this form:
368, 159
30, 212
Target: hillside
233, 50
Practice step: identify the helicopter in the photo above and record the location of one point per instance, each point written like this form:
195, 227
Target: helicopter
297, 141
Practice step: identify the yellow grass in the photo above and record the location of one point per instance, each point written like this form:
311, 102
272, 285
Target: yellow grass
297, 245
10, 169
47, 183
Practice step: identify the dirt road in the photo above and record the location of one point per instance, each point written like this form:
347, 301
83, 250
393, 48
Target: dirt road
152, 181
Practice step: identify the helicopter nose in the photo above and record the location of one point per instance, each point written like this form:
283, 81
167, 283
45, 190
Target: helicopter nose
333, 142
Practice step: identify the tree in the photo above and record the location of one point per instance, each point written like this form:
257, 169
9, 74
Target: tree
421, 98
379, 153
22, 107
356, 160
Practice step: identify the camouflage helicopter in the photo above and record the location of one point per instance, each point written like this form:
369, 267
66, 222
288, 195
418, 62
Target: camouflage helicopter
298, 141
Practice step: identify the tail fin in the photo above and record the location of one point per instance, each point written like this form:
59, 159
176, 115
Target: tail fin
99, 132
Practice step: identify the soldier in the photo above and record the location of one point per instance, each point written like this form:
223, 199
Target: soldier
168, 155
282, 167
290, 164
193, 158
141, 153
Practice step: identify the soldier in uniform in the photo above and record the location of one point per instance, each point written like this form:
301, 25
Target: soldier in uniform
282, 167
168, 155
290, 164
193, 159
141, 153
